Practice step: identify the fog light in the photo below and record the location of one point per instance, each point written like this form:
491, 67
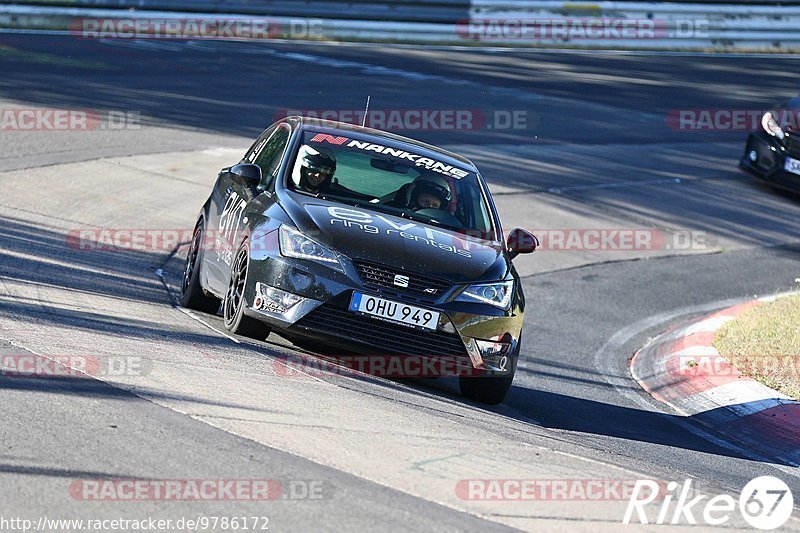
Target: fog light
753, 156
491, 348
495, 355
490, 355
272, 299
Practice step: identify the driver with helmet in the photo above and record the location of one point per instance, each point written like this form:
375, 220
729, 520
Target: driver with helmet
429, 191
314, 169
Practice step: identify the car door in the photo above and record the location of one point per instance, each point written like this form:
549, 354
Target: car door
235, 203
225, 201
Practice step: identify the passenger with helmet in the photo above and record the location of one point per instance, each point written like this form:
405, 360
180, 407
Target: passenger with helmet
429, 191
314, 169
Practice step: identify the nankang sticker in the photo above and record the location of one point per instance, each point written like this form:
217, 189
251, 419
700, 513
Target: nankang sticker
418, 160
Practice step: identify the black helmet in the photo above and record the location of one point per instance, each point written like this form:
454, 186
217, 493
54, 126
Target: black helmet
431, 184
318, 159
310, 159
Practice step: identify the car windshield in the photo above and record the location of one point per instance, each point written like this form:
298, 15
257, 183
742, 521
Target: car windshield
391, 178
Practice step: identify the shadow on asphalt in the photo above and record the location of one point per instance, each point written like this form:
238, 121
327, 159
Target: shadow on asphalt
192, 86
193, 89
189, 86
597, 418
36, 255
39, 255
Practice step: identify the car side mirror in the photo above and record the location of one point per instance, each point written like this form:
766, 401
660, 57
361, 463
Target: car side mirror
521, 241
246, 174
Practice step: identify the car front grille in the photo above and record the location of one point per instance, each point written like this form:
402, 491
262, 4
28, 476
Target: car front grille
335, 320
382, 278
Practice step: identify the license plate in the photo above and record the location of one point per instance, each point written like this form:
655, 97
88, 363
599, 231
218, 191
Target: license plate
792, 165
395, 311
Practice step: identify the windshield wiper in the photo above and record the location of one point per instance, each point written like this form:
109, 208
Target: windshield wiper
409, 217
429, 221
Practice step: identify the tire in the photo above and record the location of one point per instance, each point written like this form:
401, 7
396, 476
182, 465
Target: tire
234, 303
192, 294
490, 390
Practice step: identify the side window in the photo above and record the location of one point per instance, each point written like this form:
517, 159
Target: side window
258, 146
270, 154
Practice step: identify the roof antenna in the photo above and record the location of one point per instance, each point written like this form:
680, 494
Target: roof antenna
366, 112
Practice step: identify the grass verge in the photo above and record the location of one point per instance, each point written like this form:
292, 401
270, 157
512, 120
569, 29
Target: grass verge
764, 343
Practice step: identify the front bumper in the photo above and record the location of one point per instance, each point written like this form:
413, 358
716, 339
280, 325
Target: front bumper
322, 314
765, 158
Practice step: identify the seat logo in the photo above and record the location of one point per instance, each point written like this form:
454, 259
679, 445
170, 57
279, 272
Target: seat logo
401, 281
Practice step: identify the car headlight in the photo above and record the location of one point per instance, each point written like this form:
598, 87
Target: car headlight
771, 126
295, 244
496, 294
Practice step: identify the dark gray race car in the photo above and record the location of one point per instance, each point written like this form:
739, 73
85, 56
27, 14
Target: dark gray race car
365, 241
773, 152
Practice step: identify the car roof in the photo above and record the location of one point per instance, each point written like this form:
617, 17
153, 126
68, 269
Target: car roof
424, 149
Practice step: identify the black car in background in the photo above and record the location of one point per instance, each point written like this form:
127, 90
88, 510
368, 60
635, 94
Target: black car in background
365, 241
773, 152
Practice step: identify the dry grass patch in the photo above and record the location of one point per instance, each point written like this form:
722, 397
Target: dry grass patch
764, 343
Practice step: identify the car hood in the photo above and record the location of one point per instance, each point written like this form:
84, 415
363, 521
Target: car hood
361, 233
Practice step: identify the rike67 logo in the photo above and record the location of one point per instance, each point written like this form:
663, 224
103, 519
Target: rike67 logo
765, 503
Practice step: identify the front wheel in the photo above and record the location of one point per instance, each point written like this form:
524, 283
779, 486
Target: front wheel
192, 294
489, 390
233, 305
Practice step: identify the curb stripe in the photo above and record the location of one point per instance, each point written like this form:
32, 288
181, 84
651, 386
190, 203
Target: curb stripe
682, 369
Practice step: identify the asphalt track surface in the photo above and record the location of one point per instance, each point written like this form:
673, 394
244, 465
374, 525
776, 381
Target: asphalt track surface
600, 146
